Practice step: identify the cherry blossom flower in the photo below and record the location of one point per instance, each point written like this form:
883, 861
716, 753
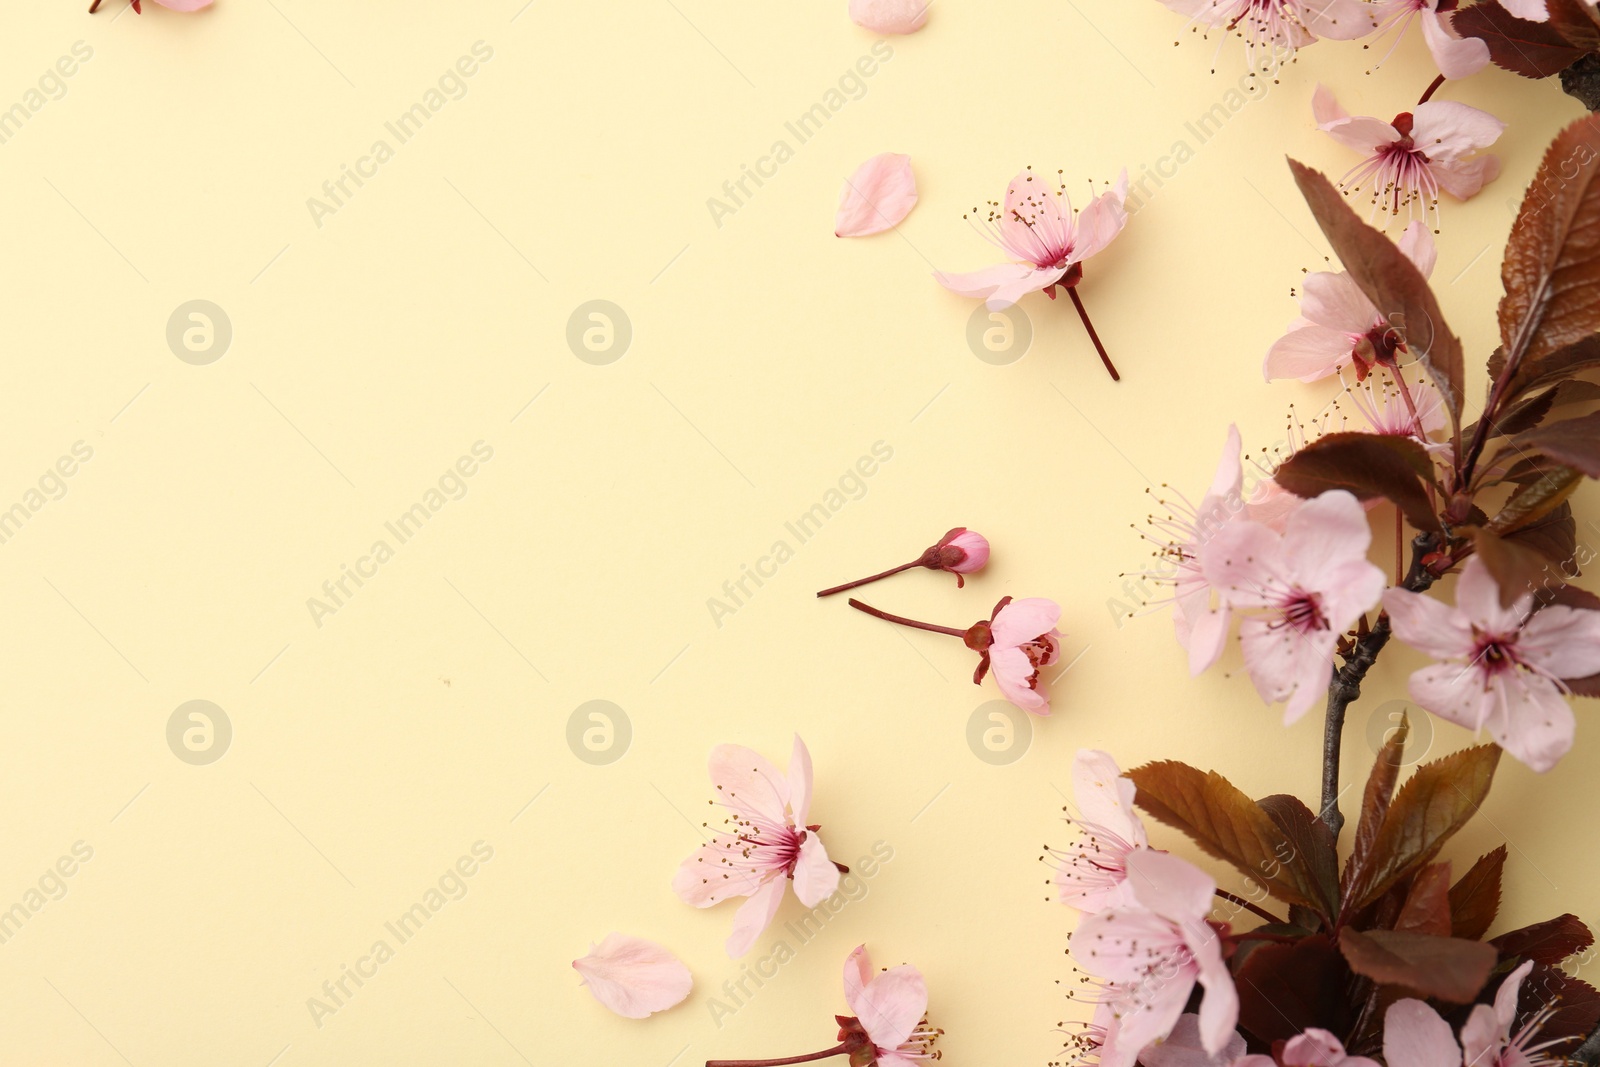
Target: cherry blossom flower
1319, 1048
890, 16
1183, 1048
1036, 228
1415, 1036
767, 844
876, 197
1017, 641
1408, 161
1405, 409
1093, 873
1456, 56
960, 552
1501, 668
1311, 583
1339, 326
633, 977
1277, 27
890, 1026
1152, 952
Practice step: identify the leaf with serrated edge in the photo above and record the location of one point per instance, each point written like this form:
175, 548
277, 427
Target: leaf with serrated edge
1368, 465
1375, 801
1448, 968
1475, 898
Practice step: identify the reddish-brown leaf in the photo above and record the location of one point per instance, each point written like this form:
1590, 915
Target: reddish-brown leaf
1393, 284
1475, 899
1551, 941
1228, 825
1449, 968
1529, 412
1577, 1005
1434, 803
1375, 799
1285, 988
1313, 841
1575, 442
1568, 359
1551, 270
1368, 465
1531, 49
1427, 906
1543, 493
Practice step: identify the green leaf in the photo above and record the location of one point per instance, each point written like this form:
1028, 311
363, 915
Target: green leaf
1394, 285
1368, 465
1226, 824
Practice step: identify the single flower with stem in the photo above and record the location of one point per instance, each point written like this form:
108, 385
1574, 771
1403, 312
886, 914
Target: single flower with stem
961, 552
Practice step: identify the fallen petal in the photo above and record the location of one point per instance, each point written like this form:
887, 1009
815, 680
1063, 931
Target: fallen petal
876, 197
890, 16
634, 977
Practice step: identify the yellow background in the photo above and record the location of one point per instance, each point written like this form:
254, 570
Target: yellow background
370, 752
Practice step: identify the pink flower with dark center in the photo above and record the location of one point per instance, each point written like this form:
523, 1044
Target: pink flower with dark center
1037, 229
1017, 641
1415, 1036
1502, 667
1307, 585
1092, 874
1455, 56
1339, 326
1152, 952
1410, 160
890, 1025
959, 552
765, 846
1272, 30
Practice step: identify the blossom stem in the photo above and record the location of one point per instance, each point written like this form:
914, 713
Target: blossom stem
1083, 313
1345, 686
1433, 87
837, 1050
864, 581
94, 7
886, 617
1248, 906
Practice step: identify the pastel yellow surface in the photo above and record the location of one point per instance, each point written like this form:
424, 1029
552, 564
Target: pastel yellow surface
374, 345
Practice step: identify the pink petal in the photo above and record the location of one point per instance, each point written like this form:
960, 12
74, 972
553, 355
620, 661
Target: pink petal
1481, 1036
184, 5
1182, 1048
1415, 1036
1418, 246
1325, 532
1562, 641
1532, 10
1464, 178
1445, 130
1452, 691
1307, 352
1334, 300
755, 915
1172, 888
1456, 57
634, 977
1100, 222
1002, 284
1286, 665
891, 1005
890, 16
1219, 1009
1505, 998
706, 878
857, 973
1023, 620
1241, 561
1208, 637
1229, 477
1533, 721
1336, 20
1478, 598
800, 781
1104, 797
1428, 625
815, 877
1034, 217
1011, 670
876, 197
748, 783
1313, 1048
1364, 134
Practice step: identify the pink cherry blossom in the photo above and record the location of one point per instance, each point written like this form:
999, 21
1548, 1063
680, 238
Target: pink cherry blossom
962, 551
890, 1007
876, 197
1152, 952
1309, 584
1501, 668
1183, 1048
1415, 1036
890, 16
767, 844
1092, 874
1339, 326
1415, 410
1037, 229
1277, 27
1023, 640
1319, 1048
633, 977
1408, 161
1455, 56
